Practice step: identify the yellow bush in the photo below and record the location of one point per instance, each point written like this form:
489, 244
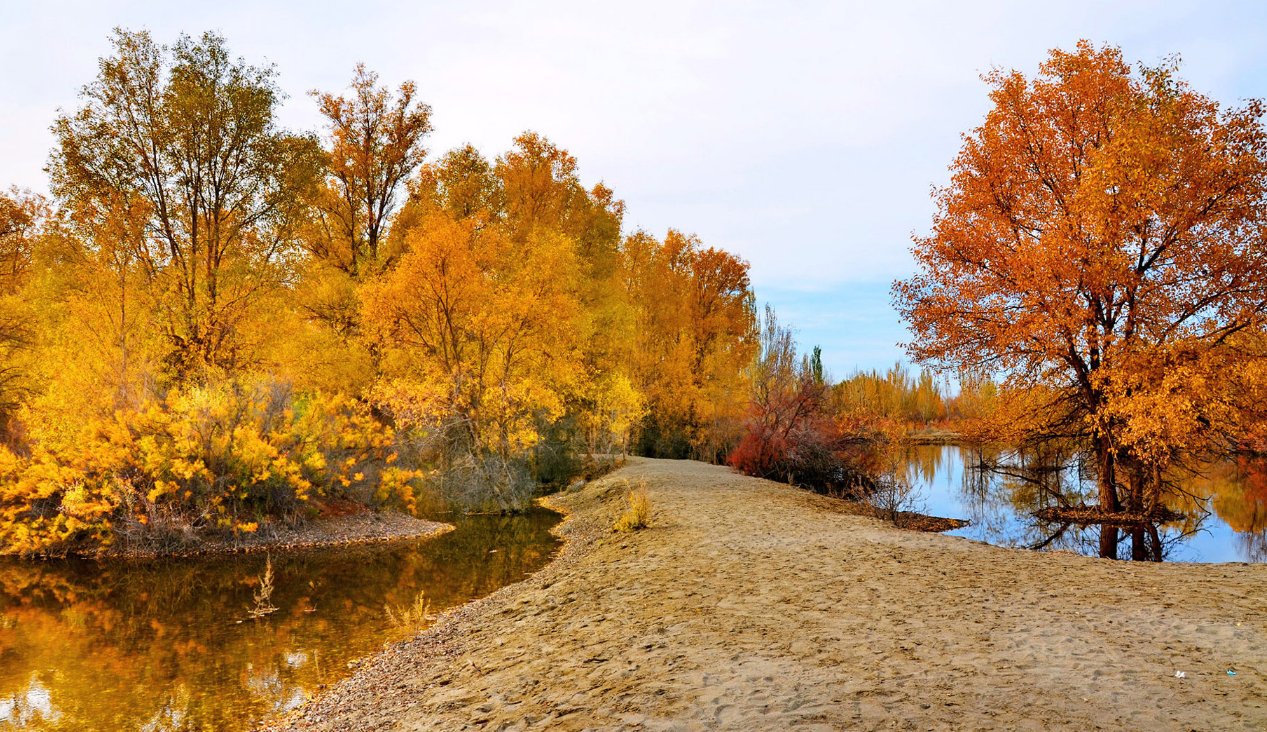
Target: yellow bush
221, 456
637, 513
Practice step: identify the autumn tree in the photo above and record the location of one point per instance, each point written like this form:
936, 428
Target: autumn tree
95, 319
890, 401
479, 335
462, 184
375, 143
187, 134
1100, 246
540, 187
216, 325
695, 325
789, 433
22, 216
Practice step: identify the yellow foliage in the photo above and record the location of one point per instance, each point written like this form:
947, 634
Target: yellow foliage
480, 329
223, 455
499, 308
615, 408
695, 335
637, 513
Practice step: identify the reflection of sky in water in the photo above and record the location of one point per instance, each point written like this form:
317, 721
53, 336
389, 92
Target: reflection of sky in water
937, 472
29, 706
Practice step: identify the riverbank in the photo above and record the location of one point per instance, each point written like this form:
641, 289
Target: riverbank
752, 605
932, 436
368, 527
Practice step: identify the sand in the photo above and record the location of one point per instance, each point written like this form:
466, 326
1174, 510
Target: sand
750, 605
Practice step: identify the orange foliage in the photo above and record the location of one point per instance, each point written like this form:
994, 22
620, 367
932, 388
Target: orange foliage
479, 332
1100, 240
375, 144
217, 321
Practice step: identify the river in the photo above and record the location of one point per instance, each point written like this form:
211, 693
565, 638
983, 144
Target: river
1225, 513
168, 645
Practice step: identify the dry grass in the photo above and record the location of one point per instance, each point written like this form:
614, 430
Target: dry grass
637, 514
263, 596
411, 618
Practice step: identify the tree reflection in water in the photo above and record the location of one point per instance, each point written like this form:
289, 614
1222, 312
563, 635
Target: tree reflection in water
166, 645
1221, 506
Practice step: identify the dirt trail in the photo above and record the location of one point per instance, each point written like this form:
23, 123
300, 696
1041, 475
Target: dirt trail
750, 605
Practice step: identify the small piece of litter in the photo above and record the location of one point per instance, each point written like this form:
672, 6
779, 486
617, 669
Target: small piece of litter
1231, 672
1180, 675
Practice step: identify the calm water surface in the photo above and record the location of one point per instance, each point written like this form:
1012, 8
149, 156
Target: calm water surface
1225, 516
166, 645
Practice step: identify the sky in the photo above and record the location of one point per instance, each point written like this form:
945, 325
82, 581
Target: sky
805, 137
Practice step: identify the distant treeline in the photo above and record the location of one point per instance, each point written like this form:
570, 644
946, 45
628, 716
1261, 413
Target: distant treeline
804, 429
904, 399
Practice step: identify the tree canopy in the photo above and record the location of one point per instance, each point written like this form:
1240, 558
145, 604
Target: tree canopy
216, 323
1100, 245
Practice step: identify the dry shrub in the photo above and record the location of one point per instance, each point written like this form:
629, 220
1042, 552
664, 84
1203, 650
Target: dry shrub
263, 596
637, 513
471, 483
595, 466
412, 618
893, 499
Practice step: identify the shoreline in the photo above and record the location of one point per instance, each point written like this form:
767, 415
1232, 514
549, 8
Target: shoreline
579, 531
749, 604
933, 437
370, 527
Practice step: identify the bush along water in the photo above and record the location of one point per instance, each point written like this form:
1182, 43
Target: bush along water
217, 458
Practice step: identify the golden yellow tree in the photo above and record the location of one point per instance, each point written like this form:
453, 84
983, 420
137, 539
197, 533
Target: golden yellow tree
22, 216
696, 334
479, 336
187, 134
375, 144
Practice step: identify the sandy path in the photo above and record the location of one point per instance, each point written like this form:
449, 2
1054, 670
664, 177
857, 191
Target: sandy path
750, 605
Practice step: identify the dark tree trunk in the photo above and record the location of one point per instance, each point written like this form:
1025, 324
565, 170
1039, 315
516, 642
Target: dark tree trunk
1156, 536
1108, 541
1139, 544
1106, 475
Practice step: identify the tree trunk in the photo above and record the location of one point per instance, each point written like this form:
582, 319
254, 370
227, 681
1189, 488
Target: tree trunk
1107, 478
1139, 546
1108, 541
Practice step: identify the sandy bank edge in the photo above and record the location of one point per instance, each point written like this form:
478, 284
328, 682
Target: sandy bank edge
362, 528
588, 515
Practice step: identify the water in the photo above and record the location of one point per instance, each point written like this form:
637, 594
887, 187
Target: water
1225, 517
168, 645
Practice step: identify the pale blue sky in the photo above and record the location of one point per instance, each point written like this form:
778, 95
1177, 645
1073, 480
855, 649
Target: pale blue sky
805, 136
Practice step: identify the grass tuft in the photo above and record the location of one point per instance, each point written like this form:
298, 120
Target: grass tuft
263, 596
414, 618
638, 513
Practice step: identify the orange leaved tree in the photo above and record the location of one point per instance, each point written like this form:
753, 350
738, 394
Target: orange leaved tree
375, 144
1100, 244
